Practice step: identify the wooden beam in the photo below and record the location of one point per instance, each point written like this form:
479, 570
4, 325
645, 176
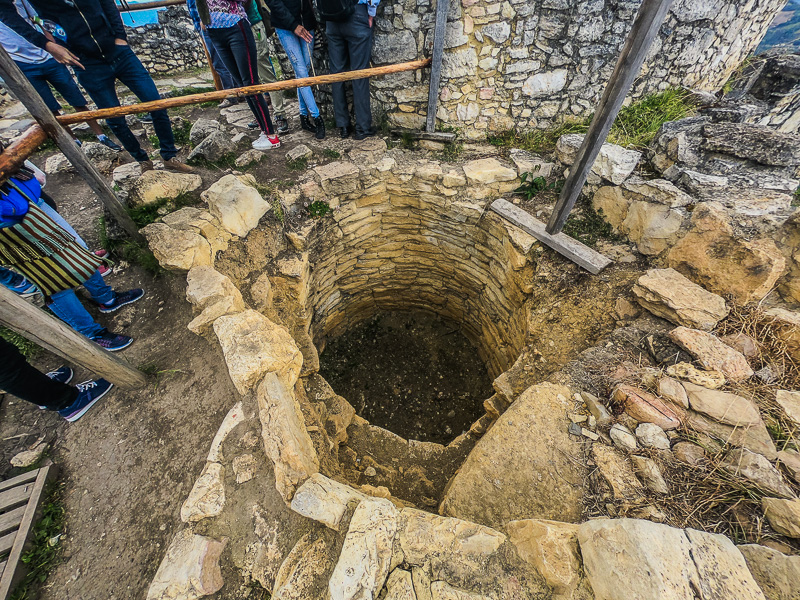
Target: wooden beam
50, 333
242, 92
149, 5
443, 137
439, 30
23, 90
579, 253
648, 21
17, 153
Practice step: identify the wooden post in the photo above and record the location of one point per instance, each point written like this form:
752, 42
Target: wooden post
442, 8
19, 84
649, 19
17, 153
52, 334
214, 74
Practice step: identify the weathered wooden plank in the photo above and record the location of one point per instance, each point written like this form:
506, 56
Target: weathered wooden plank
2, 567
16, 496
648, 20
18, 480
445, 137
14, 570
579, 253
439, 29
7, 542
47, 331
10, 521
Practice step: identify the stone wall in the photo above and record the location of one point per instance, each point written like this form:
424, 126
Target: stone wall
531, 63
169, 46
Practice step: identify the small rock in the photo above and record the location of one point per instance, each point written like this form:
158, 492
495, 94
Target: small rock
743, 343
783, 515
213, 148
769, 374
58, 163
790, 403
299, 152
724, 407
244, 467
650, 474
626, 311
673, 390
777, 575
589, 434
757, 469
203, 128
646, 408
370, 472
616, 471
790, 460
153, 186
29, 457
596, 408
651, 435
249, 157
712, 353
190, 568
708, 379
623, 438
689, 453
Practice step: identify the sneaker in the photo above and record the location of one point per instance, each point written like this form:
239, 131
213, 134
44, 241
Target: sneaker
109, 143
281, 124
266, 142
229, 102
174, 165
121, 299
61, 375
89, 392
103, 270
24, 288
305, 123
365, 134
253, 125
112, 342
102, 253
320, 128
148, 118
78, 143
147, 165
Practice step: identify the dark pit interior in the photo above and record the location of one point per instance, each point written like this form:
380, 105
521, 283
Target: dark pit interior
413, 373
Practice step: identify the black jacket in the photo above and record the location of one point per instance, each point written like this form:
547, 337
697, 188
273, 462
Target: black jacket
288, 14
91, 25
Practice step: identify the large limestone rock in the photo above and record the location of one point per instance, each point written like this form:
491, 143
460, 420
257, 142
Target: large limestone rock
400, 586
488, 170
214, 147
783, 515
202, 128
754, 142
238, 207
646, 408
152, 186
304, 571
789, 401
652, 227
614, 163
712, 353
207, 286
712, 256
176, 249
757, 469
755, 438
207, 498
201, 222
778, 575
628, 558
325, 500
441, 590
668, 294
254, 346
366, 556
338, 178
723, 407
190, 568
500, 465
286, 440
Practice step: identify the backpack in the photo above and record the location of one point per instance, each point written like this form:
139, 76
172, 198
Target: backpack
13, 204
336, 10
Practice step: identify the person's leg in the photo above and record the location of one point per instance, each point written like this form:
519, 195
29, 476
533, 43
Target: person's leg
129, 70
359, 44
37, 75
291, 45
308, 94
99, 82
17, 283
216, 61
100, 291
337, 61
266, 70
17, 377
66, 306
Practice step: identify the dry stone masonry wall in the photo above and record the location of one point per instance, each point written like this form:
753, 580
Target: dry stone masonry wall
169, 46
530, 63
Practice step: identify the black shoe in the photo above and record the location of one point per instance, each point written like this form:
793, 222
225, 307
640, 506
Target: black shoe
368, 133
281, 124
252, 125
320, 128
148, 118
305, 123
345, 132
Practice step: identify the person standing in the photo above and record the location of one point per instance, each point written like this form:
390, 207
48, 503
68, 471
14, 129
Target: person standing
348, 28
42, 70
216, 61
227, 25
96, 45
294, 24
259, 17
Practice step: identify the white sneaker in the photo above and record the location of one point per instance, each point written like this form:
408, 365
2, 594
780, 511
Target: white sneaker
265, 142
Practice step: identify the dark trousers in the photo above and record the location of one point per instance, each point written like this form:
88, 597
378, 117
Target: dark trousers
350, 42
99, 81
17, 377
237, 48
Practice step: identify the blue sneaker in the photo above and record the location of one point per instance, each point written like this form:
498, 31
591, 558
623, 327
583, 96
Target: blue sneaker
121, 299
109, 143
23, 287
61, 375
89, 392
111, 341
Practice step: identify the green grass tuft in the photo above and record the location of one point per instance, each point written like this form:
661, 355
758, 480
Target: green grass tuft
149, 213
129, 251
319, 209
28, 348
588, 225
298, 164
330, 153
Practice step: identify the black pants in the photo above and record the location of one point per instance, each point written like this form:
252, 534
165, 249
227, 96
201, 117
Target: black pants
17, 377
237, 48
351, 42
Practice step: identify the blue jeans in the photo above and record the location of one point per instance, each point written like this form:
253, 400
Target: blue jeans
216, 61
98, 79
299, 53
53, 73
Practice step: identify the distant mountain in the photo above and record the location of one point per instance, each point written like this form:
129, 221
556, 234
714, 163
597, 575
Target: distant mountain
785, 30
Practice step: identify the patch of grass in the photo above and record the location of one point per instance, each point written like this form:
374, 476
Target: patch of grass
796, 197
182, 133
531, 185
149, 213
45, 547
298, 164
153, 373
129, 251
23, 344
153, 139
406, 140
277, 209
587, 225
318, 209
331, 153
452, 151
190, 90
228, 161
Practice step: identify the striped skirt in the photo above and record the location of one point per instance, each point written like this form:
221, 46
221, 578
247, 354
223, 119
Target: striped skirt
46, 254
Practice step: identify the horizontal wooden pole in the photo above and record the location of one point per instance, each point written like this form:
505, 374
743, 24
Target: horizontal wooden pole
17, 153
121, 111
50, 333
149, 5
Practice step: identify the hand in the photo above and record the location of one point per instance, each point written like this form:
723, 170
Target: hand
303, 34
120, 42
62, 55
370, 19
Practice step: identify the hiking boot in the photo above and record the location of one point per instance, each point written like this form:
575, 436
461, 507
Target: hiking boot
320, 128
147, 165
266, 142
109, 143
112, 342
361, 135
121, 299
89, 392
305, 123
345, 132
174, 165
281, 124
61, 375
